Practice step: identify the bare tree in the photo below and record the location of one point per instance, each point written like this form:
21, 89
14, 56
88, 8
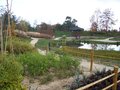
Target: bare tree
1, 29
8, 35
1, 35
107, 20
95, 20
94, 27
102, 20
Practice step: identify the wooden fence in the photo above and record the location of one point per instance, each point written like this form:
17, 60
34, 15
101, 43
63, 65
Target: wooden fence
113, 85
87, 53
91, 55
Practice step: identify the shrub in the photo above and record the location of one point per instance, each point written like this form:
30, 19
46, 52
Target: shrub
10, 73
20, 46
37, 65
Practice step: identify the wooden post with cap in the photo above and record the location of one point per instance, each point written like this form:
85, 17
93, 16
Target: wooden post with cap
115, 78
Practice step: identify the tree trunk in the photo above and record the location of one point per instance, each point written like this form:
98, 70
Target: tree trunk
8, 36
1, 36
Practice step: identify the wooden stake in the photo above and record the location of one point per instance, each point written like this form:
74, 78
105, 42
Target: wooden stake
92, 59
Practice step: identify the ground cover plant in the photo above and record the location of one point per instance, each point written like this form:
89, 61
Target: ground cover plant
79, 82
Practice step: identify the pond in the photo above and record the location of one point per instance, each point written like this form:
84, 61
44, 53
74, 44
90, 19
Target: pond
100, 46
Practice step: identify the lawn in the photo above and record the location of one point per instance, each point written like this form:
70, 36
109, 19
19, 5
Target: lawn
61, 33
116, 39
42, 43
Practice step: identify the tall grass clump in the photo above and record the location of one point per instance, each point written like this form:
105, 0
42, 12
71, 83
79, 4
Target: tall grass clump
20, 45
10, 73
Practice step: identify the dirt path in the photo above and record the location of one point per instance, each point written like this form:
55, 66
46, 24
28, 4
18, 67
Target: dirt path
54, 85
86, 65
33, 42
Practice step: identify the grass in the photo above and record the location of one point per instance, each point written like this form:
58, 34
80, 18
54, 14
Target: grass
61, 33
102, 54
94, 42
42, 43
116, 39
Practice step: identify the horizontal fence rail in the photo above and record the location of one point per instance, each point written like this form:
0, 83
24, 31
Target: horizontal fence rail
96, 82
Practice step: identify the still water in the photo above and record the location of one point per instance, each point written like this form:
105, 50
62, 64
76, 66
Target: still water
100, 46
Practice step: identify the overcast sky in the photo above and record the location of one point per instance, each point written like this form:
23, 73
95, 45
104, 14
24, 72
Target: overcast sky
55, 11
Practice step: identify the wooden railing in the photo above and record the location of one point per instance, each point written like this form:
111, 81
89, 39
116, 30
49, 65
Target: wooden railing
113, 85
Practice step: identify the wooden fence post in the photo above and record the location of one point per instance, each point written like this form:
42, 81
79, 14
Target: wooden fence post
115, 78
92, 59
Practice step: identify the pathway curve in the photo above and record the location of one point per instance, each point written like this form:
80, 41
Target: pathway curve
106, 40
33, 42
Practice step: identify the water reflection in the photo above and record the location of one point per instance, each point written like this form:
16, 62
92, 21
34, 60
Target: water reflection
100, 46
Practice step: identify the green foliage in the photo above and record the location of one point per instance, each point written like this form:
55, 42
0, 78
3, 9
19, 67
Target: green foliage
23, 25
38, 65
42, 43
20, 46
101, 34
63, 40
10, 73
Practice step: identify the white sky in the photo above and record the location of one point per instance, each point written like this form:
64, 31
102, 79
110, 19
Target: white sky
55, 11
